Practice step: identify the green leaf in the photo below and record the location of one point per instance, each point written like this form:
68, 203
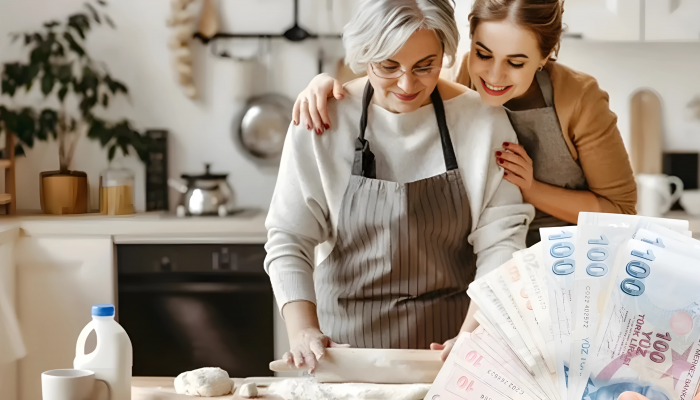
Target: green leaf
115, 86
30, 74
51, 24
62, 93
19, 150
110, 153
110, 22
64, 73
27, 39
74, 46
105, 100
47, 82
80, 23
48, 124
94, 13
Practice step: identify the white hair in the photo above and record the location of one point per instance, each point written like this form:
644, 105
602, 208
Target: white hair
381, 28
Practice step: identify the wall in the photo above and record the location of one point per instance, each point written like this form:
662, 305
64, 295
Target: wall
201, 131
671, 69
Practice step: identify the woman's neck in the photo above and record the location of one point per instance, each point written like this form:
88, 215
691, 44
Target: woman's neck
531, 99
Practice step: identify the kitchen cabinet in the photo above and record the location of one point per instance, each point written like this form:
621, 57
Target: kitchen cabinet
59, 279
612, 20
8, 371
672, 20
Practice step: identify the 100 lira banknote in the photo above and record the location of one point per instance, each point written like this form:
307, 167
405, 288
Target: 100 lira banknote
649, 335
599, 236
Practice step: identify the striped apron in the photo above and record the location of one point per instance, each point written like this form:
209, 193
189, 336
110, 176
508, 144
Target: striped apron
398, 274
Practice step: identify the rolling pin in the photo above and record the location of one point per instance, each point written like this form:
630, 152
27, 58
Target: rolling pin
390, 366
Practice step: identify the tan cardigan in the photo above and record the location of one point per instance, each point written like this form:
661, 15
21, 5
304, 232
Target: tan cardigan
590, 131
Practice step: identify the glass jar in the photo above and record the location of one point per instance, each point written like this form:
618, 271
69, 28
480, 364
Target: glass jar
117, 191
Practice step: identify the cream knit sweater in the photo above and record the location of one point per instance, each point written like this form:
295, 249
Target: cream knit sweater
315, 170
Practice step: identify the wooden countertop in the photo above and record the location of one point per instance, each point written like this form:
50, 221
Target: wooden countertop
160, 388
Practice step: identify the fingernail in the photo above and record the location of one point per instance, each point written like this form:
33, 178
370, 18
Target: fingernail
327, 126
498, 154
308, 127
318, 131
500, 161
505, 144
505, 173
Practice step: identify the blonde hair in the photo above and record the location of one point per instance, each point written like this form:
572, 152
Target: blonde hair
381, 28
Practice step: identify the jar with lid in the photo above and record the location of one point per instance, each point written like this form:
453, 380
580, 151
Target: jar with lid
117, 191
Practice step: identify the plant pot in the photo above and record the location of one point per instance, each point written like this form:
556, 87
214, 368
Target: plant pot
63, 192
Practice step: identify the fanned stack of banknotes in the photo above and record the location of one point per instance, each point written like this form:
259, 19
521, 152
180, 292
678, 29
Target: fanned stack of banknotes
593, 310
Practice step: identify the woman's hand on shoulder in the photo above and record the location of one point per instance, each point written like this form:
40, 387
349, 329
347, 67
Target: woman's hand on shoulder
517, 165
311, 106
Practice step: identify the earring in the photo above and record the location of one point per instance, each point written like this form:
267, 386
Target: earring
540, 68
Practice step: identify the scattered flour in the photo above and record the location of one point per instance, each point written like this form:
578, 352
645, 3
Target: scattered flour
309, 389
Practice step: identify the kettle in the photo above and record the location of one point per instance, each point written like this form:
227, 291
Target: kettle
207, 194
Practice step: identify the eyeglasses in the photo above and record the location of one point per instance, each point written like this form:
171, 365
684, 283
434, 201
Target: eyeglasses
394, 72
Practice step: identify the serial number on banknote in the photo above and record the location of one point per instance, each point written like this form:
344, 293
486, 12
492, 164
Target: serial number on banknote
586, 308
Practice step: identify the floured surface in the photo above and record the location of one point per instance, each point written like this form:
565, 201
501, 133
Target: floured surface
309, 389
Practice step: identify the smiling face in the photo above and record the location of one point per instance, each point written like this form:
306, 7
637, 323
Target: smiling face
503, 61
421, 58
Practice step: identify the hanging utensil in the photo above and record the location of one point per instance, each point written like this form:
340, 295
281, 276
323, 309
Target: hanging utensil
209, 21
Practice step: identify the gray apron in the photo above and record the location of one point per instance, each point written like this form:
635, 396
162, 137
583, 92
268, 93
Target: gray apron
398, 274
539, 132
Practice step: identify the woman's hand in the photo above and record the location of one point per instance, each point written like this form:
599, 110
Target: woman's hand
445, 347
307, 347
517, 165
310, 109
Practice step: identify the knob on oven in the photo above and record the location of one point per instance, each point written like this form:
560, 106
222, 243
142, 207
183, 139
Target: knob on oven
165, 264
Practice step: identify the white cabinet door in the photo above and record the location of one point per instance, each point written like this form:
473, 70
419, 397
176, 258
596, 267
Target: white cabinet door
59, 279
610, 20
672, 20
8, 372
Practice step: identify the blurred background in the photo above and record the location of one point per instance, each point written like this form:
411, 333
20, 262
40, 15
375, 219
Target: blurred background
206, 87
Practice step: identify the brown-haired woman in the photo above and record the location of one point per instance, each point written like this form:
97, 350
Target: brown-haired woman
571, 157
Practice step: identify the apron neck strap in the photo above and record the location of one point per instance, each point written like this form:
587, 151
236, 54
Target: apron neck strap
364, 162
546, 87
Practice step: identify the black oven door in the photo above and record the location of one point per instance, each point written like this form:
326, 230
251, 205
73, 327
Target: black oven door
191, 306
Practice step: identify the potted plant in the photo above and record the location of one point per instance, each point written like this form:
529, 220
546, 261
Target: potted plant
59, 64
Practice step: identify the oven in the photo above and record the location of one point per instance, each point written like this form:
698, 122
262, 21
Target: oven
196, 305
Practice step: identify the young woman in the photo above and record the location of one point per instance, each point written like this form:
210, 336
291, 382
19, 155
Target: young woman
571, 157
374, 233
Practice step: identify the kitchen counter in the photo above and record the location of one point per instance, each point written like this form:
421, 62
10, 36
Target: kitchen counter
154, 227
161, 388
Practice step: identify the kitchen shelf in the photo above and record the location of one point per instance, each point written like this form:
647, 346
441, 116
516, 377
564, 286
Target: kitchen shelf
294, 34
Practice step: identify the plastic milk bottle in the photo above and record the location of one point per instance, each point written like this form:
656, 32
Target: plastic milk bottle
112, 359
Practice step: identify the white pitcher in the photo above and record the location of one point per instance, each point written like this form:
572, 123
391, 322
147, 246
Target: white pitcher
654, 195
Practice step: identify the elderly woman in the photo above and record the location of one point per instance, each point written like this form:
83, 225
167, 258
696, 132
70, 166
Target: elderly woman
375, 233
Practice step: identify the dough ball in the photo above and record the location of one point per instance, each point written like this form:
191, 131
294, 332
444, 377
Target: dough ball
205, 382
248, 390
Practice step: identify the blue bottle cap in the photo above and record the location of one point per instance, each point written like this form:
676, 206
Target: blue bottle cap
103, 310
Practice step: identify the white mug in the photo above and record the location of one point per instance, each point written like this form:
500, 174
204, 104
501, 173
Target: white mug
68, 384
654, 196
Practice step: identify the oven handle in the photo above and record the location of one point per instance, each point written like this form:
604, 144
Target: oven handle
195, 287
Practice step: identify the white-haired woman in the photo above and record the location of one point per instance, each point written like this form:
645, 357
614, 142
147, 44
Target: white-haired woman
375, 233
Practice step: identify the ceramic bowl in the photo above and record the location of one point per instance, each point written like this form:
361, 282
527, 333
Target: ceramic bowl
690, 200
